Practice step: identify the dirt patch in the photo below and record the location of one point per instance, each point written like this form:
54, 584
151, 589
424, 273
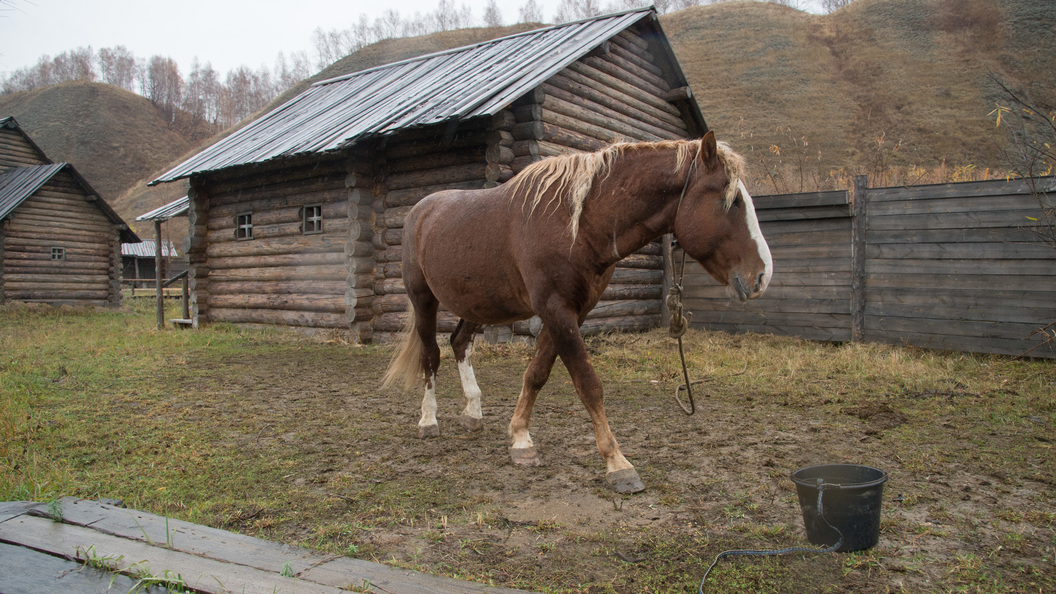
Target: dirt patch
879, 417
367, 486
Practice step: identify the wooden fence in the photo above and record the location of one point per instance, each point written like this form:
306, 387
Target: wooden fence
951, 267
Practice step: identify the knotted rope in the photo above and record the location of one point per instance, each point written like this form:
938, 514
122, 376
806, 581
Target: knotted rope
678, 326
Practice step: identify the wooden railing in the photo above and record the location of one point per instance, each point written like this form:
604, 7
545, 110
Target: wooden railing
183, 292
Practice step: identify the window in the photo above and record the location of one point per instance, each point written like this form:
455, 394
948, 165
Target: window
244, 226
312, 219
58, 253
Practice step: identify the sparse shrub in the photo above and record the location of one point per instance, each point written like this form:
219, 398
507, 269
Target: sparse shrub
977, 23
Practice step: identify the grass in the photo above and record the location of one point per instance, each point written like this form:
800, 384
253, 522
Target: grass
100, 404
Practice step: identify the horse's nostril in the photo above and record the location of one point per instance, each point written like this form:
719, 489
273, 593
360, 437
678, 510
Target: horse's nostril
760, 280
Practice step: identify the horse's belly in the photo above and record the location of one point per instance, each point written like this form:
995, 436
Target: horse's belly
479, 285
483, 298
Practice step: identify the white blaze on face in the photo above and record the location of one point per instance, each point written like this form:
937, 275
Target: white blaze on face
757, 235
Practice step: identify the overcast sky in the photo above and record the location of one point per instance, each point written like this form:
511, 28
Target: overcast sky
225, 33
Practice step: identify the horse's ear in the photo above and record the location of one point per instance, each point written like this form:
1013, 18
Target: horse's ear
709, 153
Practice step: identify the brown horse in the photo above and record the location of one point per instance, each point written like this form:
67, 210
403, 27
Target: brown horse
546, 243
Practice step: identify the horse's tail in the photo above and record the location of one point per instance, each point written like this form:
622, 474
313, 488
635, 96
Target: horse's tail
406, 364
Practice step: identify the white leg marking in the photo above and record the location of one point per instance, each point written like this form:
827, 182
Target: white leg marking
757, 235
470, 387
429, 404
521, 438
618, 462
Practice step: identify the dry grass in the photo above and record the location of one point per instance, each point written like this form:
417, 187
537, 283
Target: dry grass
887, 88
269, 434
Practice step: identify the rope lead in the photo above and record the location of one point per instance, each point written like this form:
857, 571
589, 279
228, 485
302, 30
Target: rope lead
745, 552
679, 325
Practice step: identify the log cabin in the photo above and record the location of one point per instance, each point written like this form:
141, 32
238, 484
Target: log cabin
139, 262
60, 242
296, 219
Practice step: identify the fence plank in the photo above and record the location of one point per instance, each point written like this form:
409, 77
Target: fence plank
950, 266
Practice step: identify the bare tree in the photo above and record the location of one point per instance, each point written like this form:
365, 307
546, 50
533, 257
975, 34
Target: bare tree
389, 25
331, 46
164, 85
448, 18
492, 15
77, 64
575, 10
530, 13
290, 72
830, 6
1032, 153
117, 66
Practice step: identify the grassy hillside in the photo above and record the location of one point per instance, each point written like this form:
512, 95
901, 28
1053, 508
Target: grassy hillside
881, 86
878, 84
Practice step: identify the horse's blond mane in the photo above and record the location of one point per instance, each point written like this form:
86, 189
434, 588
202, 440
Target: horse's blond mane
575, 174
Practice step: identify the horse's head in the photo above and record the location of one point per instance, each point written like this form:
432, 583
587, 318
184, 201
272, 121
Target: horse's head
716, 224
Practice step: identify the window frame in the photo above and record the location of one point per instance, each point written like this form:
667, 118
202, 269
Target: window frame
60, 252
316, 220
244, 226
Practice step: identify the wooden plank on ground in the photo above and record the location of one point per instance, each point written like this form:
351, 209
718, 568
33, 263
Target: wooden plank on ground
264, 555
11, 509
25, 571
131, 556
184, 536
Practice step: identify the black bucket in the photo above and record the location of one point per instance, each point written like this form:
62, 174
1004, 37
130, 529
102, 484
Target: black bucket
850, 503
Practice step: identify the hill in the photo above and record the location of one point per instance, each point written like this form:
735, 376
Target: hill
880, 85
113, 137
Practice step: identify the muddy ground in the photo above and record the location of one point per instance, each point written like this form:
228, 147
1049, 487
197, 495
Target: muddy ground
366, 485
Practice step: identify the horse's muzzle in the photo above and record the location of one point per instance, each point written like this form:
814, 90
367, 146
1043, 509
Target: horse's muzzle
743, 292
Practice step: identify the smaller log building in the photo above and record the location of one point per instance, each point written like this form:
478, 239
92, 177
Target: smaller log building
139, 262
297, 218
60, 243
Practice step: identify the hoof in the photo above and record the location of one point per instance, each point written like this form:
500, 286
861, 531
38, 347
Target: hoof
427, 431
472, 424
625, 481
525, 457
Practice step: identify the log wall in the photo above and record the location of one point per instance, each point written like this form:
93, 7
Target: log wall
282, 275
60, 215
411, 166
16, 152
950, 266
616, 94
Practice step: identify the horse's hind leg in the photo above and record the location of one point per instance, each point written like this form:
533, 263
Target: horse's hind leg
425, 325
462, 344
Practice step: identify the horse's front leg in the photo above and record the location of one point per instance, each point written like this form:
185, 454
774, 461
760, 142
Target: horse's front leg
620, 473
462, 344
523, 451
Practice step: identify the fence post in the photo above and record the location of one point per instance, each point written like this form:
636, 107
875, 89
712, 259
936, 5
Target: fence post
858, 226
158, 273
